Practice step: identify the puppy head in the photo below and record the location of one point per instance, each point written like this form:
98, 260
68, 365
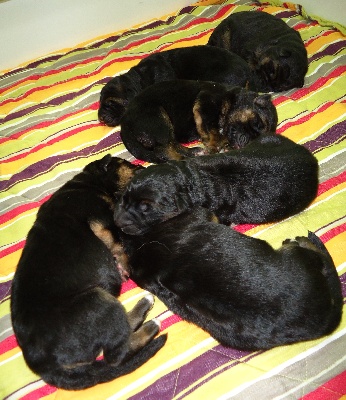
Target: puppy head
245, 115
281, 67
113, 102
112, 173
155, 194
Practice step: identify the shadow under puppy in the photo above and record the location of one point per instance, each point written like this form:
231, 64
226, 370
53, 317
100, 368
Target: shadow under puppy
274, 51
204, 63
270, 179
237, 288
169, 113
64, 306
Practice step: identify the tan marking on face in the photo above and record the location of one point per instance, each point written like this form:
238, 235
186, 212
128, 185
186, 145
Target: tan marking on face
243, 116
125, 174
198, 119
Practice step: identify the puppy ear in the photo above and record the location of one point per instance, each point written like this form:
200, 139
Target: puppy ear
285, 53
104, 162
262, 100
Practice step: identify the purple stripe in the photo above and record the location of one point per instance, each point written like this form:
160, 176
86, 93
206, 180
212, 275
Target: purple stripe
331, 136
57, 101
176, 381
343, 285
43, 166
330, 50
5, 290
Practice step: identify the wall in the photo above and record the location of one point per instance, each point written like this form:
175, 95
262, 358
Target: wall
33, 28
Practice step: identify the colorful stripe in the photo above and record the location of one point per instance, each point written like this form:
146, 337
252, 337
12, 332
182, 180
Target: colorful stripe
49, 131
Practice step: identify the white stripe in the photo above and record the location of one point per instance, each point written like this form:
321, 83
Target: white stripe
27, 389
312, 379
279, 368
159, 371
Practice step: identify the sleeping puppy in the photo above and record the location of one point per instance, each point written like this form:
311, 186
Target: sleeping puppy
274, 51
205, 63
237, 288
268, 180
172, 112
64, 306
222, 281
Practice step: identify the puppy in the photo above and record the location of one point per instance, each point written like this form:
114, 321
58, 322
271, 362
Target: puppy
64, 306
274, 51
172, 112
268, 180
205, 63
239, 289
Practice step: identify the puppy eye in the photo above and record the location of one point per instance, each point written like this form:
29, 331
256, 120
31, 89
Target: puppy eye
144, 206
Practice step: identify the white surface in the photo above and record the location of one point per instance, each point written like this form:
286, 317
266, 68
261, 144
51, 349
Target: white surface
34, 28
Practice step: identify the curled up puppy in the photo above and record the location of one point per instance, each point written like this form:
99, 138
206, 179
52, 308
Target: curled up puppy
270, 179
166, 114
274, 51
237, 288
204, 63
64, 304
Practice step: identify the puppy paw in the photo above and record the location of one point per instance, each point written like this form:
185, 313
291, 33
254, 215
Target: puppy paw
138, 314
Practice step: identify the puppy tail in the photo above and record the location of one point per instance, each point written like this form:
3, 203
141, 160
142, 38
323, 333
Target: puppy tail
333, 281
82, 377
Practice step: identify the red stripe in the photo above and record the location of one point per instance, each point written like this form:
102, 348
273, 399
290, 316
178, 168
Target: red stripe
21, 209
39, 393
306, 117
171, 320
8, 344
333, 232
52, 141
326, 33
47, 124
320, 82
12, 249
330, 183
127, 286
331, 390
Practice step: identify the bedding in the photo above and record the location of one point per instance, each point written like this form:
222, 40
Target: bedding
49, 131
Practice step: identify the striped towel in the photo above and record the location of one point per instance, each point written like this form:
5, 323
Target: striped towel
49, 131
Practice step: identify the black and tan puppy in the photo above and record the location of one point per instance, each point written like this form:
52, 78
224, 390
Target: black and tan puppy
239, 289
64, 306
268, 180
205, 63
274, 51
169, 113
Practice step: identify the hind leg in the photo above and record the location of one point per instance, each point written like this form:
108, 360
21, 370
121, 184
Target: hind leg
143, 335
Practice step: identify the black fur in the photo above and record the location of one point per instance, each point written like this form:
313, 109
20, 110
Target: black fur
205, 63
274, 51
268, 180
169, 113
64, 306
239, 289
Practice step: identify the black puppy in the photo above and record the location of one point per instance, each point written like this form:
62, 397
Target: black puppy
169, 113
239, 289
268, 180
274, 51
64, 309
205, 63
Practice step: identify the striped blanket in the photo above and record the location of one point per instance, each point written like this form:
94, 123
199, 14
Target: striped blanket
49, 131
